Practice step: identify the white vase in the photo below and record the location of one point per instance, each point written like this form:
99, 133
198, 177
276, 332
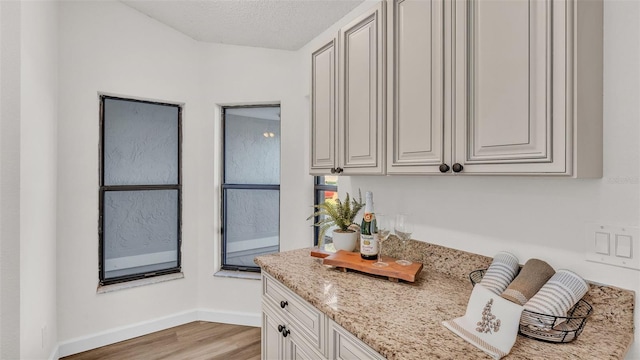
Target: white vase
345, 240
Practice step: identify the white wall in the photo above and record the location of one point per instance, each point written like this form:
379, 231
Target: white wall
38, 172
108, 47
242, 75
9, 180
539, 217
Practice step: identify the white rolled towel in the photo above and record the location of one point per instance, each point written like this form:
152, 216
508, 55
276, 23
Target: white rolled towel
501, 272
556, 297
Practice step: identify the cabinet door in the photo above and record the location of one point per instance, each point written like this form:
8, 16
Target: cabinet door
344, 346
272, 346
361, 94
323, 109
297, 349
415, 126
510, 86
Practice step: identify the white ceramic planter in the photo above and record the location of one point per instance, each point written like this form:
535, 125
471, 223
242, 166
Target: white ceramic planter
345, 240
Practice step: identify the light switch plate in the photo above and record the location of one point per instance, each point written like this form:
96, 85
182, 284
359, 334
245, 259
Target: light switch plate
603, 243
613, 245
623, 246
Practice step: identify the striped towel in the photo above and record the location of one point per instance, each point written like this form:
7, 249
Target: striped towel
555, 298
490, 322
501, 272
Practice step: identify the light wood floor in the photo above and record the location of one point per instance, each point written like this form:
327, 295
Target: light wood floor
198, 340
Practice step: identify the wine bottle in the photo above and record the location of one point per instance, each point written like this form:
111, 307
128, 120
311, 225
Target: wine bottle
368, 231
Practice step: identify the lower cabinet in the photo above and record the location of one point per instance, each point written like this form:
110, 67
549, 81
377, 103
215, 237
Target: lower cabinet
294, 329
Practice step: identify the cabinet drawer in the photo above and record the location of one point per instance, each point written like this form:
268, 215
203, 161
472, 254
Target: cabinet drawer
345, 346
308, 320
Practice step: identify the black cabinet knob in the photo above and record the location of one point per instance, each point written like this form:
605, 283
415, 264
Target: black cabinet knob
333, 170
457, 167
286, 332
280, 328
444, 168
339, 170
283, 303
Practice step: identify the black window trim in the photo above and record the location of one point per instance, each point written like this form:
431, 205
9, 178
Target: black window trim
225, 187
104, 188
317, 187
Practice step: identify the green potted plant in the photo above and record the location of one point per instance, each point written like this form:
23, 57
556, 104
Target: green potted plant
340, 214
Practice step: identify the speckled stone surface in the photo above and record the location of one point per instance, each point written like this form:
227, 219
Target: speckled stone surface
403, 320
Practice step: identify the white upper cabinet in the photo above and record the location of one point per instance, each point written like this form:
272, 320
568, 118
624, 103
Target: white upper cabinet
323, 108
416, 124
475, 87
350, 140
361, 88
518, 104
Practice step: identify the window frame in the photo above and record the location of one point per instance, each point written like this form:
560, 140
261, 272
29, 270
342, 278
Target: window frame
318, 186
104, 188
224, 187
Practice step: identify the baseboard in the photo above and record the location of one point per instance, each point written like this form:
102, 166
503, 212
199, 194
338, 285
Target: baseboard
55, 354
230, 317
115, 335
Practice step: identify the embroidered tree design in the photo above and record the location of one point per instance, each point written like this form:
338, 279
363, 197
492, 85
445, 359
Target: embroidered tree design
488, 322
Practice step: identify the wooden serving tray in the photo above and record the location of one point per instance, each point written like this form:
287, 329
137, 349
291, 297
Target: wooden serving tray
351, 260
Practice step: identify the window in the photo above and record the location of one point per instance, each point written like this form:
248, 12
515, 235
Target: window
251, 185
140, 189
326, 187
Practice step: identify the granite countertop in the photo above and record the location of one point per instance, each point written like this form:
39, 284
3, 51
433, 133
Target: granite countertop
403, 320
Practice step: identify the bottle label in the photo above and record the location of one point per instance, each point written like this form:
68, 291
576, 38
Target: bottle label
369, 244
368, 217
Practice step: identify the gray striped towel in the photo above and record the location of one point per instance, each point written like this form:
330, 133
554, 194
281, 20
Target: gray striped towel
501, 272
556, 297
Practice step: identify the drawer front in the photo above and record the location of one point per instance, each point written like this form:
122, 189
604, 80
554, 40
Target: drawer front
309, 320
345, 346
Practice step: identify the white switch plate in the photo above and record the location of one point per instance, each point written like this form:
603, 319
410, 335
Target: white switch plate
623, 245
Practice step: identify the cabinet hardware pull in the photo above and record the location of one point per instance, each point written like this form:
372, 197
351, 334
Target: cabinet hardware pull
280, 328
457, 167
283, 303
286, 332
444, 168
339, 170
333, 170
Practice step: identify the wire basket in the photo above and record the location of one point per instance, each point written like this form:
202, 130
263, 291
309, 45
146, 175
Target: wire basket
549, 328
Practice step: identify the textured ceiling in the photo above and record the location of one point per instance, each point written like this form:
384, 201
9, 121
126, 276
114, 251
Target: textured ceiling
276, 24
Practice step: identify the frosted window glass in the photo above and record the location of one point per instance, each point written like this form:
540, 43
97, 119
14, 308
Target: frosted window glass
140, 143
253, 223
252, 149
140, 231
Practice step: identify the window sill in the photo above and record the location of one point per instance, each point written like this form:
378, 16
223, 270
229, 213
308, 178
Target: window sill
136, 283
238, 274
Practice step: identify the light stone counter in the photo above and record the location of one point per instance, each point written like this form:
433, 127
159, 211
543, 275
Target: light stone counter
403, 320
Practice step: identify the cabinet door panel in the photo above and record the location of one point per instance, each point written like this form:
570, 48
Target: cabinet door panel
504, 87
272, 340
361, 83
416, 128
323, 110
298, 350
345, 346
509, 116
